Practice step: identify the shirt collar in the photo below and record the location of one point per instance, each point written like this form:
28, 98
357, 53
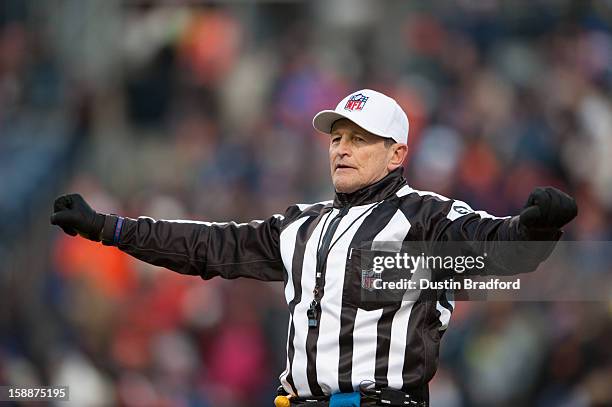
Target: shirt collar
375, 192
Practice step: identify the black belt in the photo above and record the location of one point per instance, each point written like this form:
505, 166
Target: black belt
392, 397
371, 397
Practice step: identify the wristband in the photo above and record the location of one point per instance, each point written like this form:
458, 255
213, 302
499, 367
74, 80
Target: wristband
111, 233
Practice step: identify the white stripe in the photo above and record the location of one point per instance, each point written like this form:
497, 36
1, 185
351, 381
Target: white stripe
364, 346
445, 313
453, 212
397, 348
283, 376
391, 237
430, 193
287, 248
302, 207
445, 316
484, 214
278, 216
300, 320
405, 190
328, 350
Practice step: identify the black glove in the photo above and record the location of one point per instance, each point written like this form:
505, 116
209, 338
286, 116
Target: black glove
548, 209
74, 215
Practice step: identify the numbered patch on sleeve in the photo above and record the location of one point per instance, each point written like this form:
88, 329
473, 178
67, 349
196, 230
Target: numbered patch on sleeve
458, 210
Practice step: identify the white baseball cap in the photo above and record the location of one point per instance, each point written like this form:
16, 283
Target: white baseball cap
377, 113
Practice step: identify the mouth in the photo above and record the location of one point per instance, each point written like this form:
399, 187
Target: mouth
344, 167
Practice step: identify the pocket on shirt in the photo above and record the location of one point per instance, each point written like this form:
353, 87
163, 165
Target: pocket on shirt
369, 285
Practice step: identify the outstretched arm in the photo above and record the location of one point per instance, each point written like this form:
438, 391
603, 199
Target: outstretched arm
229, 250
547, 210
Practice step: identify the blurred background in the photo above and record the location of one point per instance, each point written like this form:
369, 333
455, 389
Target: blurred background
189, 110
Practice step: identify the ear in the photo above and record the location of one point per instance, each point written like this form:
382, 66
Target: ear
398, 152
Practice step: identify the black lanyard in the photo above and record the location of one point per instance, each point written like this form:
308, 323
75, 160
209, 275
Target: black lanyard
324, 246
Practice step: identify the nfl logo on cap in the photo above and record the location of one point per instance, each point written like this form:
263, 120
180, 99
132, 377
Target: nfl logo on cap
356, 102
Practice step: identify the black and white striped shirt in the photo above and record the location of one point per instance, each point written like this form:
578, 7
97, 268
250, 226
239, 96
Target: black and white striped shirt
391, 345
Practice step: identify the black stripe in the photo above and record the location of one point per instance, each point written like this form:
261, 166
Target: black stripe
425, 209
383, 344
422, 341
371, 226
313, 332
444, 301
303, 234
422, 336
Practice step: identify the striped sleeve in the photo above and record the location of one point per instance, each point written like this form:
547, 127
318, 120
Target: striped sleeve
503, 239
208, 249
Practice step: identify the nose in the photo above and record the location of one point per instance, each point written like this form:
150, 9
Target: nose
343, 147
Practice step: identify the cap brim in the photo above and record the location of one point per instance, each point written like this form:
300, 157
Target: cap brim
324, 120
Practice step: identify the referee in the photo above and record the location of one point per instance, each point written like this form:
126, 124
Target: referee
341, 351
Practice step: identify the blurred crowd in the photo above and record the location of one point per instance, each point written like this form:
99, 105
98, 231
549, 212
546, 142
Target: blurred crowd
182, 110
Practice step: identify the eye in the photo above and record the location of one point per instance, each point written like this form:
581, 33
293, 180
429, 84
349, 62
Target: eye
335, 139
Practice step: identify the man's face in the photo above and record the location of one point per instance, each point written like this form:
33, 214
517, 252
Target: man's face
357, 157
